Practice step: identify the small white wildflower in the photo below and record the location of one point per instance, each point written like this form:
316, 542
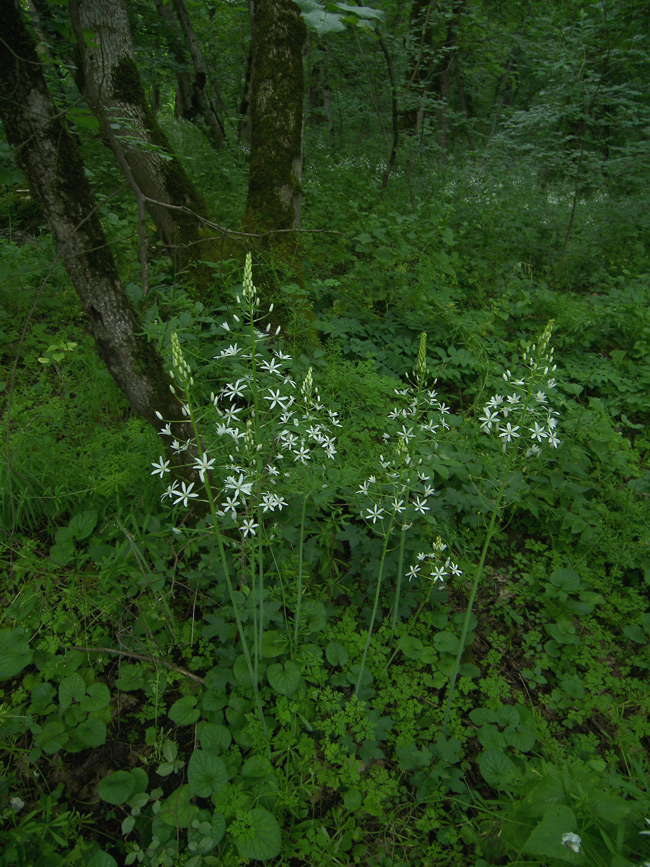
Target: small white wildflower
420, 505
271, 470
438, 573
229, 351
538, 433
453, 569
271, 366
166, 431
203, 465
398, 506
412, 572
276, 399
571, 841
170, 491
16, 804
553, 440
495, 400
239, 486
230, 506
374, 514
248, 527
160, 467
235, 389
302, 454
186, 493
509, 433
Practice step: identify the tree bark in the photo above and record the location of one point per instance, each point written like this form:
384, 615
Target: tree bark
53, 166
111, 82
277, 96
205, 93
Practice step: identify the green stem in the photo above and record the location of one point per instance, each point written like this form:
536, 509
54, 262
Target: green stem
300, 562
375, 606
472, 596
398, 586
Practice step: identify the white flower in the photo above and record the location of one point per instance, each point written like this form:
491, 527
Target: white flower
271, 366
405, 433
230, 415
412, 572
276, 398
272, 471
420, 505
428, 491
540, 397
233, 349
553, 440
495, 400
184, 494
281, 355
453, 569
398, 506
160, 468
239, 486
235, 389
203, 465
170, 491
374, 514
230, 505
538, 433
248, 527
509, 433
165, 431
437, 573
302, 454
571, 841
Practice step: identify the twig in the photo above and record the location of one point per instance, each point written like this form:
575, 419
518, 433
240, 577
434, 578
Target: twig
144, 658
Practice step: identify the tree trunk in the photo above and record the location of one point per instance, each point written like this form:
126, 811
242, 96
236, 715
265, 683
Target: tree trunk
277, 95
112, 85
53, 166
205, 94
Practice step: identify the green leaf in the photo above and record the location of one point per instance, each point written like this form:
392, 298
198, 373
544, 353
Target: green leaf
635, 633
89, 734
264, 840
177, 810
101, 859
482, 715
446, 642
83, 523
496, 769
410, 646
314, 616
337, 653
507, 715
361, 11
72, 688
241, 672
206, 773
490, 737
352, 800
116, 788
184, 711
274, 643
256, 766
52, 737
214, 737
284, 679
546, 838
522, 737
97, 697
15, 653
566, 579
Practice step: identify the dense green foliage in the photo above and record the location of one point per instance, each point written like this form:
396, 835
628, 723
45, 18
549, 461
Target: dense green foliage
258, 679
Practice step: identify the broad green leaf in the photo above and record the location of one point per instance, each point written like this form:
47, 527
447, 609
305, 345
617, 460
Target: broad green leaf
566, 579
97, 697
508, 715
284, 679
265, 838
410, 646
496, 769
90, 734
241, 672
337, 653
274, 643
256, 766
446, 642
323, 22
522, 737
546, 838
52, 737
352, 800
71, 688
206, 773
83, 523
15, 653
177, 810
361, 11
482, 715
116, 788
184, 711
214, 737
490, 736
102, 859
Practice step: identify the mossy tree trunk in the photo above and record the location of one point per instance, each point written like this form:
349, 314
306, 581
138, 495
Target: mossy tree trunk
277, 96
53, 165
111, 83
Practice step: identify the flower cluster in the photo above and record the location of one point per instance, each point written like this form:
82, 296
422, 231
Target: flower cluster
434, 565
402, 490
259, 427
523, 414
